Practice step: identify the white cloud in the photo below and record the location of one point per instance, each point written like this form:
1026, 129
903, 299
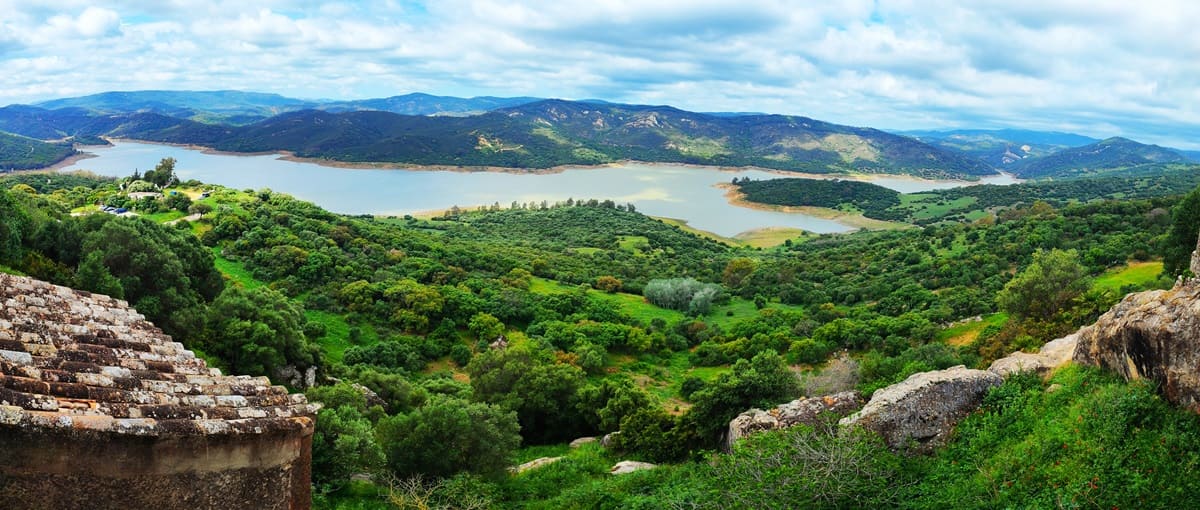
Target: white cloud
1099, 67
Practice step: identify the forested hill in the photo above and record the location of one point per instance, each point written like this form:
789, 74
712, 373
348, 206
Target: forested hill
1113, 155
535, 135
22, 153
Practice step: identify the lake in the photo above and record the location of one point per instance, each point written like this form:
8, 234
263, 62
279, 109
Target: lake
672, 191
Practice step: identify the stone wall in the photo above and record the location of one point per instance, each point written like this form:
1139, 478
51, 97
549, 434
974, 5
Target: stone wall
100, 409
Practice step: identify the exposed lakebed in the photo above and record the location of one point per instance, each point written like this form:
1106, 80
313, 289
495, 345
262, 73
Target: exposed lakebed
673, 191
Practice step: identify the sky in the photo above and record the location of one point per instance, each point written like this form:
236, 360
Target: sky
1095, 67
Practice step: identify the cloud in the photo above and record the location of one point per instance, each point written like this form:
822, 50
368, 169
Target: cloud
1099, 67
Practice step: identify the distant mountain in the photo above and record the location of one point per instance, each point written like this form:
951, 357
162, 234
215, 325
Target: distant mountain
425, 104
1002, 147
533, 135
1113, 156
228, 106
241, 108
22, 153
1192, 155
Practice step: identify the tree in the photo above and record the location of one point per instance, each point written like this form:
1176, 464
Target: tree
258, 332
449, 435
343, 445
485, 327
1046, 287
608, 284
737, 270
763, 381
14, 226
541, 391
1181, 240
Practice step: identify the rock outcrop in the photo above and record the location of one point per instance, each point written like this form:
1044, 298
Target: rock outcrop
582, 441
925, 407
1153, 335
1054, 354
807, 411
629, 466
533, 464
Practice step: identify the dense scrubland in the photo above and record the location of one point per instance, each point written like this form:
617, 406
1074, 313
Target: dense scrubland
450, 349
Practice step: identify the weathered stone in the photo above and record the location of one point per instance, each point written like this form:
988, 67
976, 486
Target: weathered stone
1153, 335
609, 438
582, 441
921, 411
807, 411
629, 466
100, 409
1054, 354
534, 464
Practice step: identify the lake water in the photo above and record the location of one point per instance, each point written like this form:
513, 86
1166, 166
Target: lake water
681, 192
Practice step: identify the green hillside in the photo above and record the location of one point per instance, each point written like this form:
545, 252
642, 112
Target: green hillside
22, 153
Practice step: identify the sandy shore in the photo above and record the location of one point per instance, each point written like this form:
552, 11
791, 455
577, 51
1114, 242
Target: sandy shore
57, 166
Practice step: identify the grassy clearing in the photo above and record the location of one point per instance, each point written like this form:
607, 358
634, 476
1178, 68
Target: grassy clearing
967, 332
632, 304
683, 225
738, 309
1141, 275
338, 333
926, 205
633, 243
771, 237
234, 271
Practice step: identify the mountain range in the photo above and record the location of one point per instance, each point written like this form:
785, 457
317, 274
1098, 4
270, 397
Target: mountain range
531, 133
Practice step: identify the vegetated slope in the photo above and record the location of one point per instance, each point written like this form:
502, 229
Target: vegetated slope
23, 153
536, 135
1002, 147
872, 199
1111, 156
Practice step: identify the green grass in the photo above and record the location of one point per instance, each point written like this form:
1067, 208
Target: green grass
738, 309
633, 305
967, 332
337, 333
1140, 275
234, 271
925, 206
633, 243
528, 453
163, 217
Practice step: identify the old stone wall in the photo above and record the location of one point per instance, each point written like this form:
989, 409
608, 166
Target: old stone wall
100, 409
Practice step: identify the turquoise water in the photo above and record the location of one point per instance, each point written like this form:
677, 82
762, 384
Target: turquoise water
686, 193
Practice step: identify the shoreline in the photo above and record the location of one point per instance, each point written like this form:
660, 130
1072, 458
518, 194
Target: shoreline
347, 165
735, 197
65, 162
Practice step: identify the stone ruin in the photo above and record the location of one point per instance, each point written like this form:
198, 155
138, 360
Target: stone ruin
100, 409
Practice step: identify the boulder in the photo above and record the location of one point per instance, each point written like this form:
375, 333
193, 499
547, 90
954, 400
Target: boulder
1054, 354
807, 411
1152, 335
534, 464
925, 407
608, 439
582, 441
629, 466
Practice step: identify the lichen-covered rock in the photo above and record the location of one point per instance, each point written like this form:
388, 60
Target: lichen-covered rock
534, 464
1153, 335
629, 466
1054, 354
582, 441
924, 408
801, 411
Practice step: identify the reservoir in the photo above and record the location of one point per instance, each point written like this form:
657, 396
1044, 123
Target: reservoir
673, 191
